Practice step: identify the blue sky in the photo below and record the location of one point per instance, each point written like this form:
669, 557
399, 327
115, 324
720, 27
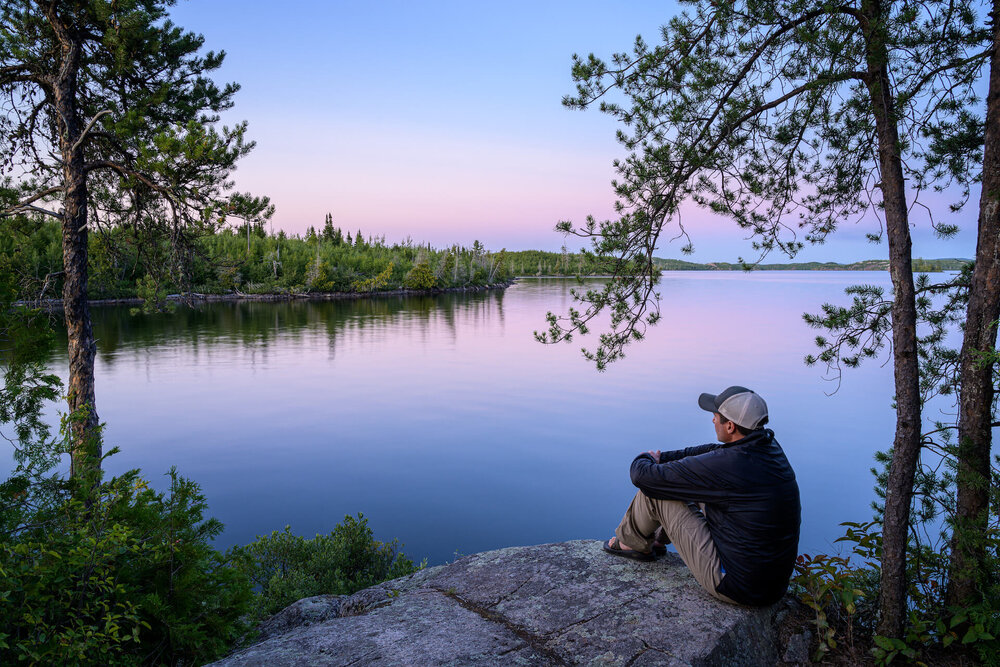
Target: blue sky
442, 121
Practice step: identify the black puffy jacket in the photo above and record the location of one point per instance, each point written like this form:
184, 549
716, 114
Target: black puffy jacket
751, 505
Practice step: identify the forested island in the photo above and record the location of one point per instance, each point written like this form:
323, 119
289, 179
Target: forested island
245, 261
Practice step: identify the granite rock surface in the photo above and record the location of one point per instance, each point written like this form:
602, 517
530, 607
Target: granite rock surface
554, 604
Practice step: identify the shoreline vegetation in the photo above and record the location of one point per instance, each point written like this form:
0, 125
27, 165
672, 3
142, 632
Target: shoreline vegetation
245, 263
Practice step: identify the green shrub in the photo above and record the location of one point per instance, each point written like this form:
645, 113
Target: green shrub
285, 567
379, 282
153, 295
192, 601
828, 586
420, 277
60, 601
121, 574
318, 276
844, 595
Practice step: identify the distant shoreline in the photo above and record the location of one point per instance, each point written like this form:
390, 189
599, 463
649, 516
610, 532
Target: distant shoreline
920, 265
707, 268
552, 265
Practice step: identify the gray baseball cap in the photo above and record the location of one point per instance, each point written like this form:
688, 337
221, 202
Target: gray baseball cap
737, 404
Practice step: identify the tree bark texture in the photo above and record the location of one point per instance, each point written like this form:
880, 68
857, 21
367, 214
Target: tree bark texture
906, 445
976, 377
86, 444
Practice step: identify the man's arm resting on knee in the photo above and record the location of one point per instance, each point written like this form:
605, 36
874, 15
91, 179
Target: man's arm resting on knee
678, 454
681, 479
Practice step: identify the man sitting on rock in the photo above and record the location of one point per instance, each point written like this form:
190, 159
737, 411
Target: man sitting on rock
731, 510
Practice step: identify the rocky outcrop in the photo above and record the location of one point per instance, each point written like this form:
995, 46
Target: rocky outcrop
555, 604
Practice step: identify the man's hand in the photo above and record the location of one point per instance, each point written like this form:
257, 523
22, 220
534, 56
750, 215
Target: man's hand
655, 453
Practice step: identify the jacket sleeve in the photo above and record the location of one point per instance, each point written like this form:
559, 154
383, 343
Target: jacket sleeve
689, 479
687, 451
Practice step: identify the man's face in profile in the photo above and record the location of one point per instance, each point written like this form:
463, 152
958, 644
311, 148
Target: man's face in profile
720, 432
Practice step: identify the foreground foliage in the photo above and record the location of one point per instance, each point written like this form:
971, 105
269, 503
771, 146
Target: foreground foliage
842, 592
123, 574
120, 575
98, 571
284, 567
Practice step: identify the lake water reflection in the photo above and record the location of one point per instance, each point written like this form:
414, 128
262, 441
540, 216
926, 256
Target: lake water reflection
444, 422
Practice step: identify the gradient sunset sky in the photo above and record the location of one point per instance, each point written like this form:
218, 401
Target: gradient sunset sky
442, 121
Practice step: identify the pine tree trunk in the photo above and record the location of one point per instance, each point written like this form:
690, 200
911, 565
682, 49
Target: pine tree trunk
86, 452
906, 445
976, 378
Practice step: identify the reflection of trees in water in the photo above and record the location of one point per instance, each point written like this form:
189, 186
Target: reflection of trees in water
257, 324
420, 316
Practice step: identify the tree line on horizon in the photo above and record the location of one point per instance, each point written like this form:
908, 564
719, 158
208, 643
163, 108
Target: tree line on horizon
327, 259
920, 265
244, 260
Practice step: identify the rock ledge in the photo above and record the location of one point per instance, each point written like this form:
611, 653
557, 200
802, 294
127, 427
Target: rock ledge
553, 604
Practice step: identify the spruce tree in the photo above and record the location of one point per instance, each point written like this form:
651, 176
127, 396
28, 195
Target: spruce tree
328, 230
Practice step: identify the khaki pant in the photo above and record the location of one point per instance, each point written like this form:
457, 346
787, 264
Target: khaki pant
688, 532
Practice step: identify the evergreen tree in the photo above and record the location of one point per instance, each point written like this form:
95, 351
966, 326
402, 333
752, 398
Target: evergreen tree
979, 363
790, 117
329, 232
111, 120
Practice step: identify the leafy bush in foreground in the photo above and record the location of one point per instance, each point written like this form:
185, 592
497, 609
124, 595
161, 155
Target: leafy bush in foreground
843, 598
286, 567
120, 574
60, 602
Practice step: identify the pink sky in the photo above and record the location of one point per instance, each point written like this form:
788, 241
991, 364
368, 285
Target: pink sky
442, 122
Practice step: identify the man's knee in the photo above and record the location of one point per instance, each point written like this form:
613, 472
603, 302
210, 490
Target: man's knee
676, 514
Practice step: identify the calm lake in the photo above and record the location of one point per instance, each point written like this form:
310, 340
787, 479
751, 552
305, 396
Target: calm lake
449, 427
